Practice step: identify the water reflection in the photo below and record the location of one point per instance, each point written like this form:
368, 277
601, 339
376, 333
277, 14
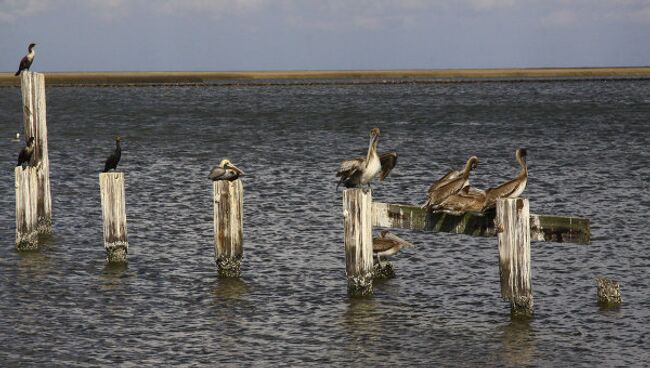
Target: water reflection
230, 288
517, 343
34, 264
112, 275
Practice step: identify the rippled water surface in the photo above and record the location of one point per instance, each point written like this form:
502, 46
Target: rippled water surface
589, 155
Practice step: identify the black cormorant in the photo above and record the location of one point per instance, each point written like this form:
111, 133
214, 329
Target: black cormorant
27, 60
26, 153
114, 158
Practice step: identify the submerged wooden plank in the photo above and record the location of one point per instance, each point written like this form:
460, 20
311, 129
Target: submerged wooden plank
560, 229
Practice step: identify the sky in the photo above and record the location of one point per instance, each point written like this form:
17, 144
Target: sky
239, 35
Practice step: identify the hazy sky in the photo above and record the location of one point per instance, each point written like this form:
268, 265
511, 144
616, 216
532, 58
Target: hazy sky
102, 35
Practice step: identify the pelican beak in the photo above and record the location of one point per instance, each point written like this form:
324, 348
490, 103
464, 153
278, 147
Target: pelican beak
231, 166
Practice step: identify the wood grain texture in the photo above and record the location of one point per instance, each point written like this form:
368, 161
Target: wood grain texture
113, 199
357, 228
35, 121
228, 197
513, 231
26, 209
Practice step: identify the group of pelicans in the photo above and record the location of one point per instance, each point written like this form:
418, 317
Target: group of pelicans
451, 192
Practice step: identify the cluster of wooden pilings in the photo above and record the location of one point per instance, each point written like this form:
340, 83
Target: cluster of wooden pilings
34, 204
512, 223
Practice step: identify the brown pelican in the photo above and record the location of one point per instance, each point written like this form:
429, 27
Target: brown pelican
512, 188
114, 158
27, 60
450, 184
388, 244
467, 200
25, 154
359, 171
225, 171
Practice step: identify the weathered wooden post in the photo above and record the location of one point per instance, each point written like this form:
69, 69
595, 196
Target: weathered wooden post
33, 91
228, 199
513, 229
357, 227
608, 291
26, 219
111, 186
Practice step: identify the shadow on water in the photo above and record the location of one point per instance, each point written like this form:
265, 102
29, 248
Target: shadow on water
517, 343
362, 317
33, 263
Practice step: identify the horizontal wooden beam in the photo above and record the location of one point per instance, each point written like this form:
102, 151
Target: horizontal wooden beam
559, 229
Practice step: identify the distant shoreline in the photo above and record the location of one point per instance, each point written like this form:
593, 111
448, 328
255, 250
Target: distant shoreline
333, 76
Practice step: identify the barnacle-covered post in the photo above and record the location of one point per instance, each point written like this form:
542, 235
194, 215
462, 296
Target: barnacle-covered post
513, 229
228, 226
111, 186
357, 228
26, 218
33, 92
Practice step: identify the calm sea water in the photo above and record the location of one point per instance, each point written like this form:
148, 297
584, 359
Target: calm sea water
588, 144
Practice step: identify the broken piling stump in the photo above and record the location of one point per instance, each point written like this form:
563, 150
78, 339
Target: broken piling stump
228, 197
111, 186
26, 208
609, 292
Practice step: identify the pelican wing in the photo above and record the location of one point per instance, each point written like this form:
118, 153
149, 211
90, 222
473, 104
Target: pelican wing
451, 187
388, 161
382, 244
217, 173
504, 190
349, 167
468, 199
394, 238
451, 175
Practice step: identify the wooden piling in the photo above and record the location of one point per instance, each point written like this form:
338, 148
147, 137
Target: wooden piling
357, 227
33, 92
608, 291
111, 186
513, 231
228, 199
26, 208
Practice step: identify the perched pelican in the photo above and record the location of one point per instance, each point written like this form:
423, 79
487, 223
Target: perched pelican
27, 60
359, 171
512, 188
25, 154
467, 200
388, 244
450, 184
225, 171
114, 158
16, 138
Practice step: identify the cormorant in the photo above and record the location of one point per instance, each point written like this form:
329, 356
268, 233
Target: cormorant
27, 60
26, 153
114, 158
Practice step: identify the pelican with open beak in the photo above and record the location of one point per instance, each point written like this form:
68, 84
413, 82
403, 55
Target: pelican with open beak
225, 171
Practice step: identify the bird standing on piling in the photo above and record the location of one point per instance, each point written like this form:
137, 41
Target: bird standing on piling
450, 184
25, 154
387, 244
512, 188
27, 60
114, 158
359, 171
225, 171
